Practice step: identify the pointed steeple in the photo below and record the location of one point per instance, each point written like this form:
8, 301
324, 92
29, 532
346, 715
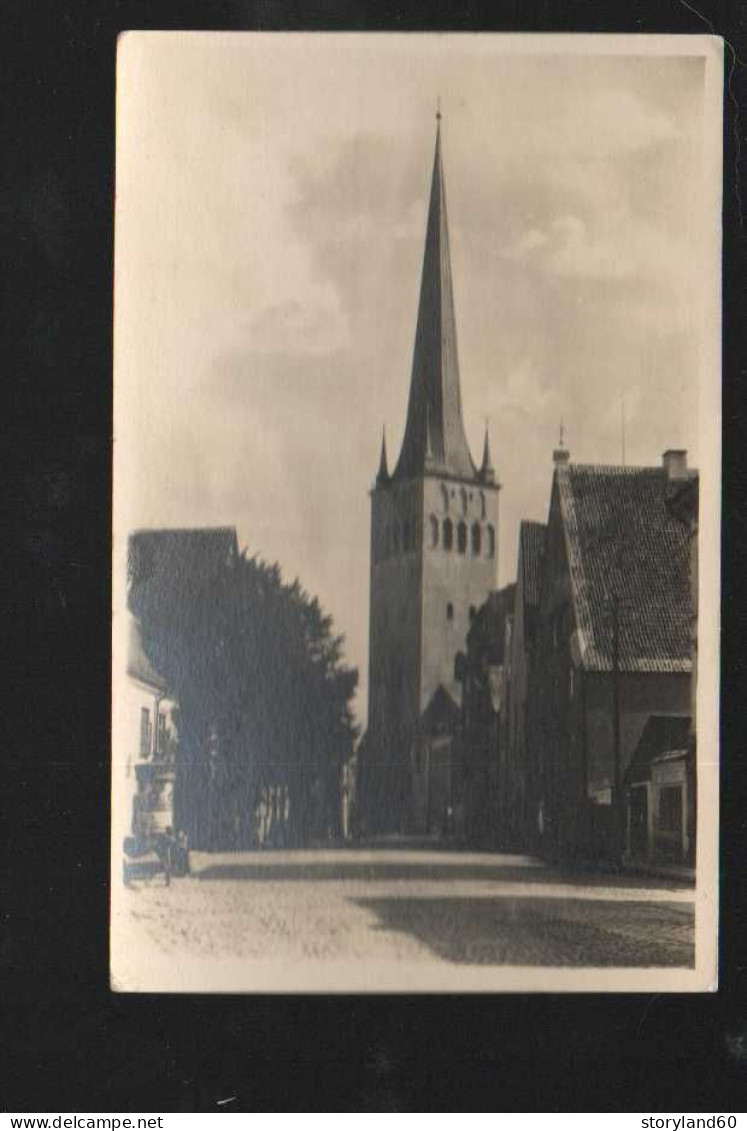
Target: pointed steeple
434, 411
487, 472
382, 476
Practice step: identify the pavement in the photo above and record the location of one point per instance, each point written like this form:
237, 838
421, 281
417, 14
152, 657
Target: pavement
397, 908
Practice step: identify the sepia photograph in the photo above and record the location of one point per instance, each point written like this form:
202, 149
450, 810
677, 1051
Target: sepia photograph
416, 513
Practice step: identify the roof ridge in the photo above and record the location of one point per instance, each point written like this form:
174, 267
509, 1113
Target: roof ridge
579, 596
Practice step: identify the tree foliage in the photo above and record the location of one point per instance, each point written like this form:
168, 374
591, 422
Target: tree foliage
264, 695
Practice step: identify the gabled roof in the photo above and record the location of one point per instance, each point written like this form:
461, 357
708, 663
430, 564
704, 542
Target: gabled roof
622, 538
662, 734
532, 536
139, 666
442, 713
434, 432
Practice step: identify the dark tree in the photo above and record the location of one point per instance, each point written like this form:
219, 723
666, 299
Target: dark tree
264, 694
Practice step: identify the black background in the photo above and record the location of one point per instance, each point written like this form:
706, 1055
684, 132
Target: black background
69, 1044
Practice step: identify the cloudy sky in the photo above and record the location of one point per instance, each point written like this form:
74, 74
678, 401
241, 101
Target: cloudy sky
271, 204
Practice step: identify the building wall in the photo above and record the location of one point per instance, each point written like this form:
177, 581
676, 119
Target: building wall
134, 697
641, 695
572, 738
513, 788
462, 580
394, 623
422, 594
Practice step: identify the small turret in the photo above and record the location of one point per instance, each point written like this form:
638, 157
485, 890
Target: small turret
382, 477
487, 472
429, 456
561, 454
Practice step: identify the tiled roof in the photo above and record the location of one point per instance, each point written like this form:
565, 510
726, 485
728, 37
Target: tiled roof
532, 537
622, 538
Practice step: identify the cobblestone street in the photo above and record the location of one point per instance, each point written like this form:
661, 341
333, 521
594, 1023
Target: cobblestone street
410, 908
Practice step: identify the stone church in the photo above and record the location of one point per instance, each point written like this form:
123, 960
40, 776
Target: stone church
434, 529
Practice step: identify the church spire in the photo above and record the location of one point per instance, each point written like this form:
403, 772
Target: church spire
383, 473
434, 411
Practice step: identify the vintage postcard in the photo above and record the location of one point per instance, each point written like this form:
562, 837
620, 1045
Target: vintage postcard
416, 513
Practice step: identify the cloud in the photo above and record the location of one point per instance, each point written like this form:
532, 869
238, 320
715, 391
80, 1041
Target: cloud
521, 392
567, 249
620, 119
315, 326
527, 243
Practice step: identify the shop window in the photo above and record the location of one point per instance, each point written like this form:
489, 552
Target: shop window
462, 538
476, 539
448, 534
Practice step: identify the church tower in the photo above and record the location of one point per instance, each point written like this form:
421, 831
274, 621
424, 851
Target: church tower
434, 525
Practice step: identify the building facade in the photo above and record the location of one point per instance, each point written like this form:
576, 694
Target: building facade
613, 649
516, 818
434, 531
484, 704
149, 718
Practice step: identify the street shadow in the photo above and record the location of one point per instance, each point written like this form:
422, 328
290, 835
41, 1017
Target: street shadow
263, 869
143, 870
527, 931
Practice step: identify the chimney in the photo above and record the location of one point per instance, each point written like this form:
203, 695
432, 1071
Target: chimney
674, 462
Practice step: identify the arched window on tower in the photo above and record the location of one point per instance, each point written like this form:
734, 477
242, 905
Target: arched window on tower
482, 504
434, 530
462, 538
476, 538
491, 541
463, 499
445, 498
448, 534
